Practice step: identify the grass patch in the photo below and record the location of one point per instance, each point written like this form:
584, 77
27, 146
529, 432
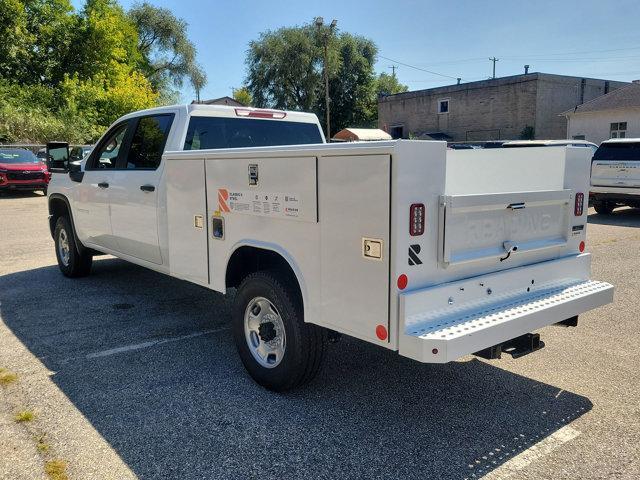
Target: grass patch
7, 377
24, 416
41, 443
56, 470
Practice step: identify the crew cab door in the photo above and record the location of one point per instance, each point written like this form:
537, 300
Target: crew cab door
92, 195
136, 188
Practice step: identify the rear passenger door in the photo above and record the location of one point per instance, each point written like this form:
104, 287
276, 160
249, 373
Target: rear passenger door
136, 189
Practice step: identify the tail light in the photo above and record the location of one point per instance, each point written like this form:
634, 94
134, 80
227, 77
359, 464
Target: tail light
416, 219
249, 112
579, 205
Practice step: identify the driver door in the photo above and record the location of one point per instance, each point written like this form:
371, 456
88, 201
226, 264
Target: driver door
92, 216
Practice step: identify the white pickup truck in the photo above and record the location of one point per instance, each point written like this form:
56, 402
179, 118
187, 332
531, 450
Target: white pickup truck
615, 175
432, 253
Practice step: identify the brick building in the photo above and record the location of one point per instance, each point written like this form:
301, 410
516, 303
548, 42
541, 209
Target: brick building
519, 106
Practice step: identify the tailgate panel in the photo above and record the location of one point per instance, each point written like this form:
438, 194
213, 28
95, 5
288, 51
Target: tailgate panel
479, 227
614, 173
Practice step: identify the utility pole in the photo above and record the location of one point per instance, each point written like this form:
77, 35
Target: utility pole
494, 60
325, 40
393, 70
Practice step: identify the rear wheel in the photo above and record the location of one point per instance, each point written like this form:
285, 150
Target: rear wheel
279, 350
603, 208
72, 263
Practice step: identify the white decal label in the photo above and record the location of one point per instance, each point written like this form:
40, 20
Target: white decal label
259, 203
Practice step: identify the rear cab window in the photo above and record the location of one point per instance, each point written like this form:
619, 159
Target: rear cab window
225, 132
618, 151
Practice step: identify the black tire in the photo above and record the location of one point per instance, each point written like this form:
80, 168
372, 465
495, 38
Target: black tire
305, 343
76, 264
603, 208
44, 191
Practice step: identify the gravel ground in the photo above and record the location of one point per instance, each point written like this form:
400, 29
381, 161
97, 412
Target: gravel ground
132, 374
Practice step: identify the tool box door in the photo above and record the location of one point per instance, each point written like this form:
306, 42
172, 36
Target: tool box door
354, 196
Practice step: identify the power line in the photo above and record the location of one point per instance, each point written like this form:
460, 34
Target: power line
418, 68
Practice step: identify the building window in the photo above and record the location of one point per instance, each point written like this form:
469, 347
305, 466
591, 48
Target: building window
443, 105
396, 131
618, 130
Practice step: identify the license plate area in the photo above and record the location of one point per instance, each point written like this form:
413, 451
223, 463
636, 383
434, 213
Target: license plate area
490, 226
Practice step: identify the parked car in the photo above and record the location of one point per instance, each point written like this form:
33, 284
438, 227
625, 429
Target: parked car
20, 169
549, 143
80, 152
615, 175
42, 155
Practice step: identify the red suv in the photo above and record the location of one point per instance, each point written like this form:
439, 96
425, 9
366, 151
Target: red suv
20, 169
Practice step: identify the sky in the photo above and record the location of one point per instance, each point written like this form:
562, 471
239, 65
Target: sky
586, 38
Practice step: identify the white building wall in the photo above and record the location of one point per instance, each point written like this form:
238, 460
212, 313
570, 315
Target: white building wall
595, 126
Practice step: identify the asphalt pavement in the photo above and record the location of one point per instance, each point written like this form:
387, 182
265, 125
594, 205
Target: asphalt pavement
133, 374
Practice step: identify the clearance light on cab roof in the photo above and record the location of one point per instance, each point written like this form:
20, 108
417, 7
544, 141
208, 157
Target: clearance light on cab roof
250, 112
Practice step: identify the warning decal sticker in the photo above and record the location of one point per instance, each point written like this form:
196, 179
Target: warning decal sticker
259, 203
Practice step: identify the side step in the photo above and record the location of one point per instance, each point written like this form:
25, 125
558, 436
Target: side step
517, 347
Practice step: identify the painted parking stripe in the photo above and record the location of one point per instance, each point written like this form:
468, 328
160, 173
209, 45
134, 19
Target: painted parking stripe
153, 343
544, 447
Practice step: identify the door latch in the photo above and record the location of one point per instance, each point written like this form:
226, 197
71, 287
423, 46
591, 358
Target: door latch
372, 248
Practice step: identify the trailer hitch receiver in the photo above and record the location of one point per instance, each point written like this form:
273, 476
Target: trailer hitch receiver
516, 347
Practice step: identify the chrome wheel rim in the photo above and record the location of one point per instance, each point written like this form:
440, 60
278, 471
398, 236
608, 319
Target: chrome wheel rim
264, 332
63, 247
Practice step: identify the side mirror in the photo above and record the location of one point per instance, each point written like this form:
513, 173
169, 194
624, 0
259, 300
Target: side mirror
58, 157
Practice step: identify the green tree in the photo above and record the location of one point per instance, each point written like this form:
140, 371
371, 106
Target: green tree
351, 85
168, 56
242, 95
285, 69
389, 85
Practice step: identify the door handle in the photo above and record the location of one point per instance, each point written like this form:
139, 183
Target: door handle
103, 185
147, 188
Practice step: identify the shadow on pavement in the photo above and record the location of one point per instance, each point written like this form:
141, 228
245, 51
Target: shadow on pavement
6, 194
186, 409
621, 217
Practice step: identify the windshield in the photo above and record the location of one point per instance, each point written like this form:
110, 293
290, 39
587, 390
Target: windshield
223, 132
17, 156
618, 151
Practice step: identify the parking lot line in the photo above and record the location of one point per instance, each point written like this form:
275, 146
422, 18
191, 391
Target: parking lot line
533, 453
153, 343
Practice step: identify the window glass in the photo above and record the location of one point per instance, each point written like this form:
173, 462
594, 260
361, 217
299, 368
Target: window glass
223, 132
622, 126
443, 106
618, 151
108, 154
148, 142
17, 156
614, 126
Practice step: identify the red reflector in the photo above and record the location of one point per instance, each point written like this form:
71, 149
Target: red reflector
581, 247
416, 219
402, 281
381, 332
247, 112
579, 206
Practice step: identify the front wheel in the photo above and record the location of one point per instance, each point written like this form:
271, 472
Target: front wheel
279, 350
72, 263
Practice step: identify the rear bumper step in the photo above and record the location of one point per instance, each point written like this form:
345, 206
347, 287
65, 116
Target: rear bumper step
437, 333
